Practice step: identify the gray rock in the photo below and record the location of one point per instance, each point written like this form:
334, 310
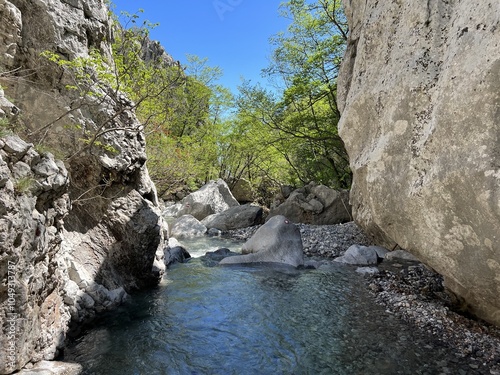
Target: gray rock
86, 301
79, 275
176, 254
4, 173
16, 147
116, 297
21, 170
116, 234
367, 270
212, 198
425, 172
381, 251
46, 167
212, 257
401, 255
10, 29
53, 368
72, 291
235, 218
214, 232
315, 204
172, 210
243, 191
426, 169
173, 242
187, 226
133, 231
359, 255
30, 238
311, 263
98, 293
277, 241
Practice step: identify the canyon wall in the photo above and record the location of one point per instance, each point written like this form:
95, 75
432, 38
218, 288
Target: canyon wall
419, 91
81, 229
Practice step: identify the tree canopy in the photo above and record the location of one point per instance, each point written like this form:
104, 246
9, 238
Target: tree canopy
286, 134
197, 130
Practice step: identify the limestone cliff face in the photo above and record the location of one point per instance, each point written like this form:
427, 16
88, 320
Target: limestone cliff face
79, 233
33, 204
420, 94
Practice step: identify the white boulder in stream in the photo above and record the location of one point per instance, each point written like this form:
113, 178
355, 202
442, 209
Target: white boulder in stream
277, 241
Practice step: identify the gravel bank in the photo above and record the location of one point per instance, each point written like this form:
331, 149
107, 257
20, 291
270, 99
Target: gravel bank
416, 294
412, 292
326, 241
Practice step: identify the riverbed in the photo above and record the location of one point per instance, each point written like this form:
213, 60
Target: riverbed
258, 320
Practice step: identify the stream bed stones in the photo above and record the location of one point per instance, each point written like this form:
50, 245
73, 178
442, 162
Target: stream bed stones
412, 292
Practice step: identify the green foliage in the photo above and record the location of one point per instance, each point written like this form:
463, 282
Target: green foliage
90, 74
23, 185
270, 138
302, 119
181, 107
196, 130
93, 81
106, 147
5, 127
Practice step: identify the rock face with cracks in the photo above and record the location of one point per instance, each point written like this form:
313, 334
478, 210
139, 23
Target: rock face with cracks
419, 91
75, 236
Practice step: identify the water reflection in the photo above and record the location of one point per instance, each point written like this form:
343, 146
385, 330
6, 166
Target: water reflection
256, 320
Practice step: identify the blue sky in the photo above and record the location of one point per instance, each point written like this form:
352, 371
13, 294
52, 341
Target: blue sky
232, 34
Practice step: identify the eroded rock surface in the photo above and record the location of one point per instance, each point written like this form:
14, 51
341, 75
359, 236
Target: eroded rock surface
33, 205
277, 241
212, 198
315, 204
83, 233
419, 92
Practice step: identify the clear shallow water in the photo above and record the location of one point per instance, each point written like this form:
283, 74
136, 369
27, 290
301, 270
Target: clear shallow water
256, 320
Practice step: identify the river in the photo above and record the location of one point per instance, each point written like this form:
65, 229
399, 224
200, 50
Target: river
256, 320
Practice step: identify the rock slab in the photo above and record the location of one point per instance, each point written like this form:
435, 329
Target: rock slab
235, 218
419, 92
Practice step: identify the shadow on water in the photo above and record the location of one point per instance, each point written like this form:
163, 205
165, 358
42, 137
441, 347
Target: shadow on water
256, 320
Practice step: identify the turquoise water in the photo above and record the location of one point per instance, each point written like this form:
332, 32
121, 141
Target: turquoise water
257, 320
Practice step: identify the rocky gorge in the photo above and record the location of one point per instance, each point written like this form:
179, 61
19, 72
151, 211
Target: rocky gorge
77, 237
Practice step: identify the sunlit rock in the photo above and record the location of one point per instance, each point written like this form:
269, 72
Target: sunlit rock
419, 94
277, 241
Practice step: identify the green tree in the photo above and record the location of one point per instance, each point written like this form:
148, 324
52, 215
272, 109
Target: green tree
302, 121
181, 106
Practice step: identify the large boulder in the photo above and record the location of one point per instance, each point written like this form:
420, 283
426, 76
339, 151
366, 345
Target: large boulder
212, 198
243, 191
126, 248
187, 226
277, 241
317, 205
419, 93
235, 218
175, 252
